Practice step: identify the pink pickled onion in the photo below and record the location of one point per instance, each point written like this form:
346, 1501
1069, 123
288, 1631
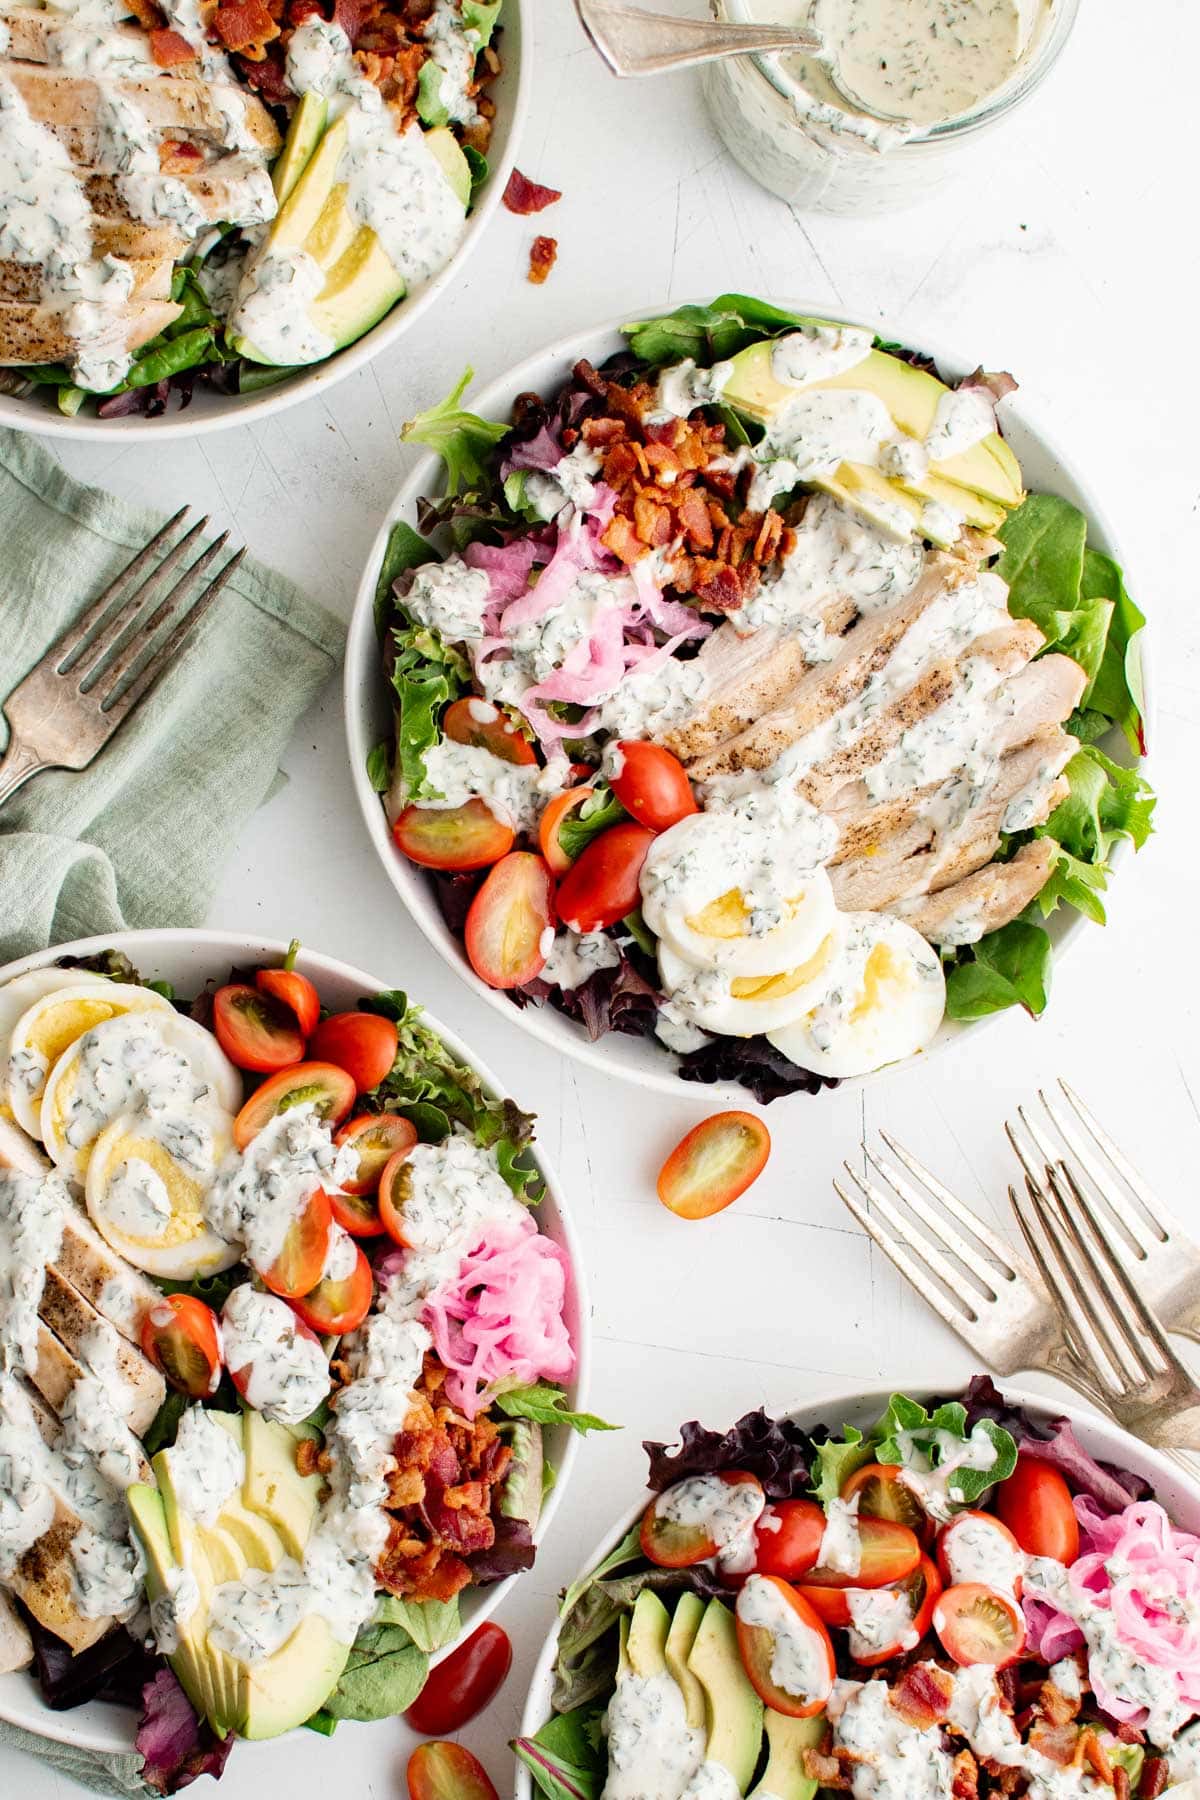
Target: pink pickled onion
501, 1316
507, 566
574, 552
669, 615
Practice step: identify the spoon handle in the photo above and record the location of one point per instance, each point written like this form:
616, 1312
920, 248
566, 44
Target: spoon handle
633, 42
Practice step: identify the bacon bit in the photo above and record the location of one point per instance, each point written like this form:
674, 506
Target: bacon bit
1155, 1775
663, 461
693, 515
964, 1783
922, 1696
169, 49
246, 27
1127, 1733
1095, 1754
590, 378
652, 521
720, 591
826, 1771
179, 159
607, 431
268, 77
524, 196
1059, 1742
352, 15
543, 255
147, 14
307, 1453
621, 538
1121, 1787
1056, 1707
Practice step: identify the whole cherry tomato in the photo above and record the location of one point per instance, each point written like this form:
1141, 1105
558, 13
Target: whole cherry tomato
653, 785
462, 1683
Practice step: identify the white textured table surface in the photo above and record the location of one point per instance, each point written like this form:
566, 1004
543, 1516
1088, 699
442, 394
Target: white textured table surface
1071, 261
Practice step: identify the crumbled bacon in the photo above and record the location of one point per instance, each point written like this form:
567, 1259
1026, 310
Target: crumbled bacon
1155, 1775
170, 48
1121, 1785
1058, 1742
1096, 1756
147, 13
268, 77
247, 27
524, 196
543, 255
175, 158
308, 1453
964, 1780
826, 1771
1056, 1707
922, 1695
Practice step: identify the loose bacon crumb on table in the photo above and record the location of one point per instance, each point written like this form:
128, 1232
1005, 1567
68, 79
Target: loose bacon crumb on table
524, 196
542, 258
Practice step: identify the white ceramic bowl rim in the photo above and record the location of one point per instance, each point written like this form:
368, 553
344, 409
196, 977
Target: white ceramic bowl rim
209, 412
100, 1727
638, 1060
1101, 1435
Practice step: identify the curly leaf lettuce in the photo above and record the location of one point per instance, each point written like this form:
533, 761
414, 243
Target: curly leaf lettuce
546, 1404
711, 333
913, 1438
462, 439
426, 675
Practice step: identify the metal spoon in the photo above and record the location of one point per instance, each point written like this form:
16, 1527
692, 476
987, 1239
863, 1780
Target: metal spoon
633, 42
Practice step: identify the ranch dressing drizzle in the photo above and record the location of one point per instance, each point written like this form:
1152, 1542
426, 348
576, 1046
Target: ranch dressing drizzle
652, 1750
798, 1663
33, 1210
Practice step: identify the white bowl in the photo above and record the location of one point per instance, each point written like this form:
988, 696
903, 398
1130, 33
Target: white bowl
208, 411
368, 715
189, 959
1178, 1491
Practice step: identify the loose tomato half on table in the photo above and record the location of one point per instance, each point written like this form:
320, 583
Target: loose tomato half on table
440, 1771
714, 1164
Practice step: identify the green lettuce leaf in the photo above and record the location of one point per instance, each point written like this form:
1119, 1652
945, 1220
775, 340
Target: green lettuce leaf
709, 334
911, 1437
462, 439
586, 1660
545, 1403
1116, 689
600, 810
481, 16
1106, 802
383, 1675
426, 675
431, 108
837, 1459
406, 549
1009, 967
567, 1758
379, 766
429, 1623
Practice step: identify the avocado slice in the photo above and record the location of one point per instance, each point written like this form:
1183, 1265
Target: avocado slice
226, 1563
787, 1740
984, 515
911, 396
734, 1711
303, 206
648, 1628
362, 286
274, 1488
445, 148
304, 134
147, 1515
867, 491
287, 1688
191, 1547
689, 1610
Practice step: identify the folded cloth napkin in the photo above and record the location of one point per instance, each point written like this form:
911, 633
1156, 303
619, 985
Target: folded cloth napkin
103, 1773
137, 839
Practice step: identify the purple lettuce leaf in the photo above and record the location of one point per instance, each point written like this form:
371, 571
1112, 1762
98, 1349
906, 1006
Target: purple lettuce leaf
776, 1450
542, 451
512, 1552
1111, 1488
176, 1746
616, 999
756, 1064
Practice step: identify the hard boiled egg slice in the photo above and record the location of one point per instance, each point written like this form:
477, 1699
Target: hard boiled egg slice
123, 1064
18, 995
743, 1005
48, 1028
885, 997
147, 1178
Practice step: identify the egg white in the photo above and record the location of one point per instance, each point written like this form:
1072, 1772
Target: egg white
885, 999
53, 1023
742, 1005
185, 1246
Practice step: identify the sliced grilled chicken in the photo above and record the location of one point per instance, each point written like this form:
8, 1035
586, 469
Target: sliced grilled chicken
220, 189
922, 854
825, 689
32, 33
76, 108
41, 334
62, 1359
16, 1645
118, 1292
982, 902
133, 241
26, 281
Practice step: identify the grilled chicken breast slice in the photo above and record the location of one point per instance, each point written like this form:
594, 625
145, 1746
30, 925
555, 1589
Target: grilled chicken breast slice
25, 282
66, 1319
42, 334
76, 109
16, 1645
993, 896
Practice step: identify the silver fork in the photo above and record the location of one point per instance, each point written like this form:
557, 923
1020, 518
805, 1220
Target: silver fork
1160, 1252
88, 683
973, 1280
1144, 1385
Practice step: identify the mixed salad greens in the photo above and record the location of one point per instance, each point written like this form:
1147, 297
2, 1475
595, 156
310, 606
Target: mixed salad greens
744, 699
278, 1350
960, 1601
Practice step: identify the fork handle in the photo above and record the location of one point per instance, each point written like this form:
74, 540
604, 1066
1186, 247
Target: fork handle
16, 766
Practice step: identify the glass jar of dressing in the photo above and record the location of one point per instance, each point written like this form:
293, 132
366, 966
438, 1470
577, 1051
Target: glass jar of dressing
918, 84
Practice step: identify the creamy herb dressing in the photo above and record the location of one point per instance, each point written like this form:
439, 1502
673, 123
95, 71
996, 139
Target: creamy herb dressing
712, 1781
137, 1203
684, 386
841, 1543
651, 699
454, 48
33, 1211
123, 1065
450, 598
836, 554
724, 1512
261, 1191
288, 1372
935, 1487
515, 792
879, 1618
208, 1466
575, 956
799, 1663
95, 1459
26, 1495
817, 352
976, 1550
171, 1609
652, 1750
274, 302
964, 417
342, 1256
884, 998
572, 481
924, 61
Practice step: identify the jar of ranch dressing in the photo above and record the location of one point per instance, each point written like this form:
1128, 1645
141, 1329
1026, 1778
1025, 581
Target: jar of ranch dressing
914, 84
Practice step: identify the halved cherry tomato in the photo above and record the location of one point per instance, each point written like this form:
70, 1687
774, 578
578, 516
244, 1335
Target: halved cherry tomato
509, 920
243, 1377
978, 1625
440, 1771
362, 1043
757, 1646
1035, 1504
180, 1337
713, 1164
831, 1604
887, 1553
295, 991
552, 817
375, 1138
672, 1544
462, 1683
923, 1587
788, 1538
476, 721
882, 1495
390, 1198
254, 1030
601, 886
297, 1268
334, 1307
653, 786
329, 1090
975, 1543
469, 836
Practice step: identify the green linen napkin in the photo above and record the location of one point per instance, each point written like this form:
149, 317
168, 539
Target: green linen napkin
100, 1772
137, 839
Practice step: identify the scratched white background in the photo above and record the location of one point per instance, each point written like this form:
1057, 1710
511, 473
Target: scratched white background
1070, 259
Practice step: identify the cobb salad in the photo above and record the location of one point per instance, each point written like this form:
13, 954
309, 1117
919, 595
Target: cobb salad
226, 190
745, 699
278, 1338
960, 1602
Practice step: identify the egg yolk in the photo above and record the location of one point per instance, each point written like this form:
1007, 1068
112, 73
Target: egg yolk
60, 1026
883, 969
726, 916
775, 987
186, 1197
